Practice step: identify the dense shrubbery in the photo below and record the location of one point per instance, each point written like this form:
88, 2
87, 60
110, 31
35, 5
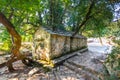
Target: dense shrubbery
113, 61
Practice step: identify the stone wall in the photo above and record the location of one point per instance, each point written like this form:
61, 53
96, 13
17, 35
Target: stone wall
51, 45
41, 44
61, 45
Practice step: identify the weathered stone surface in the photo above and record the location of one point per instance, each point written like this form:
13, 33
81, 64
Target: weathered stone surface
51, 44
67, 46
41, 47
57, 45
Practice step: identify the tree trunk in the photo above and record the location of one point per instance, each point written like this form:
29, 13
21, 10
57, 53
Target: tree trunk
16, 44
11, 29
16, 41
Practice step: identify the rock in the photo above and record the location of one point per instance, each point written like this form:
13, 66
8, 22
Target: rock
13, 79
33, 71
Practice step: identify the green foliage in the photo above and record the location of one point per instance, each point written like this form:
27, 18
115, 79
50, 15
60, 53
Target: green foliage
113, 60
98, 25
4, 35
112, 77
4, 40
23, 15
113, 64
5, 46
59, 14
113, 57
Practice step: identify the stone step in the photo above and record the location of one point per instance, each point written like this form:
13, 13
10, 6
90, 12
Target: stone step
79, 70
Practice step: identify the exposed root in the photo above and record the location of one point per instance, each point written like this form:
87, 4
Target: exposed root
27, 61
3, 65
23, 58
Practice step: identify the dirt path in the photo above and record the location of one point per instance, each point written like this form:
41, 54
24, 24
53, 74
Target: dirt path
83, 66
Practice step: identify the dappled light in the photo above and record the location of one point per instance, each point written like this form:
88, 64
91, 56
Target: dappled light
59, 40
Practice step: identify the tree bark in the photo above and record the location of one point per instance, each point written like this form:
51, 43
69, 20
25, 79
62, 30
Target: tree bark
16, 41
11, 29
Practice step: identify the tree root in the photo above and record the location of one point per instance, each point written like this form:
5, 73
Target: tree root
25, 60
28, 61
3, 64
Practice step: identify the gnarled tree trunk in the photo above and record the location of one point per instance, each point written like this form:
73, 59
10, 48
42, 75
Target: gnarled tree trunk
16, 42
16, 37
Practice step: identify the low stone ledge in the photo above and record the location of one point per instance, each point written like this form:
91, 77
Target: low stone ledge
67, 56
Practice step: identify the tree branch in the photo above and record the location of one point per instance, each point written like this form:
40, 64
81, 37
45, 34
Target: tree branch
87, 17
